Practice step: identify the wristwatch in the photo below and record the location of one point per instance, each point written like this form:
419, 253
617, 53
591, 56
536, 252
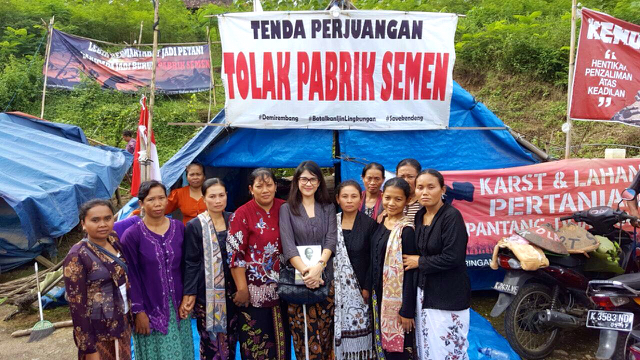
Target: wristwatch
324, 264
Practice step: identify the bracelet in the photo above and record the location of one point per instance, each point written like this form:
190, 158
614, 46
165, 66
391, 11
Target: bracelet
324, 264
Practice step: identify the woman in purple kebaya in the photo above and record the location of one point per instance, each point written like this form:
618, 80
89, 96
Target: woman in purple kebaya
153, 250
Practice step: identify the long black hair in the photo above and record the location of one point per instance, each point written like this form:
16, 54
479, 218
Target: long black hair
295, 197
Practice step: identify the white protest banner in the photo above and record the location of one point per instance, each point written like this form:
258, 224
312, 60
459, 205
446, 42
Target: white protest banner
365, 70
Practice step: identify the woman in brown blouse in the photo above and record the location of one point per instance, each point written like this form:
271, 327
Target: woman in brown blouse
309, 218
96, 283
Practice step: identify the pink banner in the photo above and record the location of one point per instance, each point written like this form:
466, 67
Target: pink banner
507, 200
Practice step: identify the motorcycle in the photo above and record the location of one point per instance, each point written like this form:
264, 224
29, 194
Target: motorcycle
617, 316
540, 303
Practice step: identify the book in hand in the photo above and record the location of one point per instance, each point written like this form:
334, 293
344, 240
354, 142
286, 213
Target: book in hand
310, 255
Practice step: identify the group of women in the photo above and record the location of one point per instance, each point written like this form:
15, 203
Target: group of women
392, 271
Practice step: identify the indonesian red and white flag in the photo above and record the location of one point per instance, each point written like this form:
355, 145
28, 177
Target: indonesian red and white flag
141, 154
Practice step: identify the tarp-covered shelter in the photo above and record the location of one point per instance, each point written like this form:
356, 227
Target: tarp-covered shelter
466, 145
48, 170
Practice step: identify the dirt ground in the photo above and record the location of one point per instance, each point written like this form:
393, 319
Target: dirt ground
573, 345
58, 346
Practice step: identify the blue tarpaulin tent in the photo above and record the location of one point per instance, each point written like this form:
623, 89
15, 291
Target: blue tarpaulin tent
48, 170
221, 147
224, 148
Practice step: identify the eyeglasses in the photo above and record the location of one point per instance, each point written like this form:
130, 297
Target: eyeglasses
369, 179
304, 181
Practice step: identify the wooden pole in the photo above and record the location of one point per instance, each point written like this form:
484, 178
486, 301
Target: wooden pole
212, 83
140, 36
567, 150
152, 95
46, 66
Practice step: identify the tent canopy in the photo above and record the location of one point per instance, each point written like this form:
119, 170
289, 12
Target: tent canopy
450, 149
227, 150
48, 170
66, 131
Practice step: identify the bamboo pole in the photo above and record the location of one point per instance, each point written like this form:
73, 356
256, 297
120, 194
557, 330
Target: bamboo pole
212, 83
567, 150
152, 95
46, 66
140, 36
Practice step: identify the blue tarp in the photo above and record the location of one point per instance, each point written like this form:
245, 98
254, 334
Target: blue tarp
481, 335
440, 149
66, 131
451, 149
48, 170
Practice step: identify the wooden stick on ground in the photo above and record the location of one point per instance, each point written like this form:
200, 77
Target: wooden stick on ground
57, 325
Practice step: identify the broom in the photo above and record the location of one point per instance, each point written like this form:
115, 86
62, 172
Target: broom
42, 328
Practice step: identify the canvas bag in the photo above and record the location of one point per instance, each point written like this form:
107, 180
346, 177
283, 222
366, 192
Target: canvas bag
530, 256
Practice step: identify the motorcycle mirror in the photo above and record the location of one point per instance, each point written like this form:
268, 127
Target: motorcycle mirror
628, 194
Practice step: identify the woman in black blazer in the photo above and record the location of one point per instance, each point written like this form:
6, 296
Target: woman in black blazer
205, 243
444, 289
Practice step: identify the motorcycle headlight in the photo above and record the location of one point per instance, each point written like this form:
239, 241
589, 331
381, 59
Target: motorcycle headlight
514, 264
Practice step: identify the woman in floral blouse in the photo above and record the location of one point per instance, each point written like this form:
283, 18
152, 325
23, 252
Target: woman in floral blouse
96, 283
254, 248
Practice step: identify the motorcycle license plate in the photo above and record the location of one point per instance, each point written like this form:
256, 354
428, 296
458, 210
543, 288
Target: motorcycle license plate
610, 320
506, 288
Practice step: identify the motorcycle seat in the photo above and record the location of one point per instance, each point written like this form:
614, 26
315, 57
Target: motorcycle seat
566, 261
631, 280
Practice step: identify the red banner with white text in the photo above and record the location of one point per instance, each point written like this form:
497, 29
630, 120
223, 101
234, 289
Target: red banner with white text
606, 82
507, 200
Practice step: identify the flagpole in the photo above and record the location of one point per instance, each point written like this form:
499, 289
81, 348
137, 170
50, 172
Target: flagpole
211, 80
567, 150
46, 66
152, 95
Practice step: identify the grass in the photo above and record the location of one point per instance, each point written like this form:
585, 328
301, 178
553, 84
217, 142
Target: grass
537, 110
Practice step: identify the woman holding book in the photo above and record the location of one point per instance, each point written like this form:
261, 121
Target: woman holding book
307, 219
352, 266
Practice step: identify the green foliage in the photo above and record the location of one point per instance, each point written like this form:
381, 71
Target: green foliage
527, 44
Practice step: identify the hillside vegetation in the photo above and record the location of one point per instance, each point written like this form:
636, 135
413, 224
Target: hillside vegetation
512, 55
